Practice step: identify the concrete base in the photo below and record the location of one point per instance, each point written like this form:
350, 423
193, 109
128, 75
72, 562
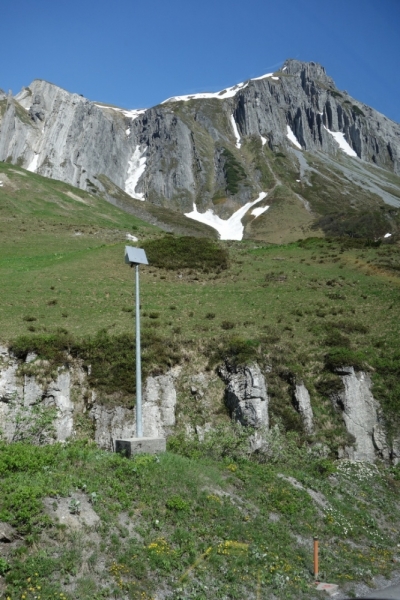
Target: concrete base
144, 445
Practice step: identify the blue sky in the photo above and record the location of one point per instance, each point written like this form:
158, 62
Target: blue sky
136, 54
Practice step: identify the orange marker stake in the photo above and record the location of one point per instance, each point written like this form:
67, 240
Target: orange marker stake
316, 558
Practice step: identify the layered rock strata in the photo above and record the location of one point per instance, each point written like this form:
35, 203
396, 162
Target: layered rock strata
179, 152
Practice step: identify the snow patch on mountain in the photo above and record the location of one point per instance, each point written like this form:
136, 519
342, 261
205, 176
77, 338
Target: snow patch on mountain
229, 229
345, 146
136, 168
222, 95
236, 132
263, 77
33, 164
290, 135
259, 211
131, 114
228, 93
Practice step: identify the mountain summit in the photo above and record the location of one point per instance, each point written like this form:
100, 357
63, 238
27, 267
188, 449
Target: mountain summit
270, 158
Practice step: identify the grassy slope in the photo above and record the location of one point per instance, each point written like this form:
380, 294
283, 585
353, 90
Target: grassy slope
196, 528
286, 300
287, 295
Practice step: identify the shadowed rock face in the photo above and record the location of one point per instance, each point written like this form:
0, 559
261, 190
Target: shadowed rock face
246, 394
67, 137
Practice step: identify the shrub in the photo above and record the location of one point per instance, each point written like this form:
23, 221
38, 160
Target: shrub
343, 357
4, 567
233, 171
236, 350
173, 252
177, 503
227, 325
335, 338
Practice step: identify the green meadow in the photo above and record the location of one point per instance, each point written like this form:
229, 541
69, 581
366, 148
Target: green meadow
206, 520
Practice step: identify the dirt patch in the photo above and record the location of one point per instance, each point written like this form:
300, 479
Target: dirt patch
74, 512
8, 183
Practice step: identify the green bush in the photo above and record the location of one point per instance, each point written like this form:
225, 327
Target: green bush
237, 350
366, 226
4, 566
177, 503
233, 171
343, 357
173, 252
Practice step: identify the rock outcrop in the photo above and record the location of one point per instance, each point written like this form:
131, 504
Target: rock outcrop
158, 412
33, 410
302, 403
361, 415
45, 411
246, 394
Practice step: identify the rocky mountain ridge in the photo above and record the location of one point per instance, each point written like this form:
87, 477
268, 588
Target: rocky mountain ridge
206, 151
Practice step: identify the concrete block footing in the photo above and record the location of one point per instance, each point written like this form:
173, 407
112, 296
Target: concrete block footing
143, 445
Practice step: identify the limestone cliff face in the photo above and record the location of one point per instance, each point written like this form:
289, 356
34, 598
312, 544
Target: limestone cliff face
64, 136
183, 150
304, 98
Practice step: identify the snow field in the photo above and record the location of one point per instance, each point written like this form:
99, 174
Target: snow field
343, 145
290, 135
236, 132
136, 168
229, 229
33, 164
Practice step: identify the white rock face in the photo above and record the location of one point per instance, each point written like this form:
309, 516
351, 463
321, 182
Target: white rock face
303, 404
158, 412
112, 423
246, 394
59, 394
360, 414
24, 403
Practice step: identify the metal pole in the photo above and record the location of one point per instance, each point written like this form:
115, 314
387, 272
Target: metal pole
139, 430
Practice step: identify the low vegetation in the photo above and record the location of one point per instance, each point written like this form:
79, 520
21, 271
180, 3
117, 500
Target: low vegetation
176, 253
204, 520
233, 171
